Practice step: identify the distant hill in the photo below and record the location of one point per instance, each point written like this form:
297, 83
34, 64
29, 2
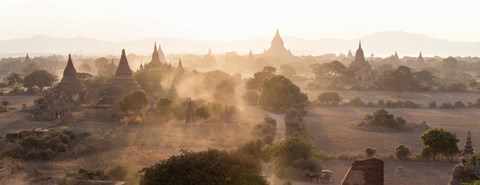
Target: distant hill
380, 44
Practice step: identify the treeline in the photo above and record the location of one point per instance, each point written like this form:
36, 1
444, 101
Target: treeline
334, 99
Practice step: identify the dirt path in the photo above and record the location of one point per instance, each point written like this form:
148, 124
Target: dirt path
279, 136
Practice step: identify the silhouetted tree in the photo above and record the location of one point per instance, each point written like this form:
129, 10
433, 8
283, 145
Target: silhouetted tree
279, 93
211, 167
440, 142
40, 79
133, 102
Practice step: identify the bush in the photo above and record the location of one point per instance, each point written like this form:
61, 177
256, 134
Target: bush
459, 104
294, 158
357, 102
446, 106
31, 142
439, 142
402, 152
329, 98
118, 173
278, 93
432, 105
370, 151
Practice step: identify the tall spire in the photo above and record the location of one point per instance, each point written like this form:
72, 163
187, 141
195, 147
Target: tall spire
27, 58
250, 57
467, 147
70, 77
277, 41
359, 56
155, 62
123, 68
209, 52
420, 58
161, 55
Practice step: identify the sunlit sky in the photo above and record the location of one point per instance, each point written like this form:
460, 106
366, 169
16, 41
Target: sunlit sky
232, 20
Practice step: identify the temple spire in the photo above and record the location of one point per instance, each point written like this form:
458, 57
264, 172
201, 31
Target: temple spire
360, 44
123, 67
467, 147
70, 77
161, 55
27, 58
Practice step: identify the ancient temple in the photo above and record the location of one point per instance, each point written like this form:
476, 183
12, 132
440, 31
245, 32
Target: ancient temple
467, 147
420, 59
58, 102
350, 55
161, 55
362, 69
70, 83
277, 48
121, 84
155, 62
250, 57
461, 173
27, 58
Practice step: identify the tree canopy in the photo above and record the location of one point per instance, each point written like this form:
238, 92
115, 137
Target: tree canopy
438, 141
279, 93
210, 167
40, 79
133, 102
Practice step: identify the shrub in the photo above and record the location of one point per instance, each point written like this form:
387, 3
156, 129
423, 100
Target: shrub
459, 104
446, 106
432, 105
118, 173
402, 152
370, 151
357, 102
440, 142
329, 98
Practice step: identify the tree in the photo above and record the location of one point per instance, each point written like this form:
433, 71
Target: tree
329, 98
400, 79
402, 152
133, 102
14, 81
202, 112
105, 67
210, 167
288, 70
256, 82
164, 106
40, 79
440, 142
279, 93
333, 75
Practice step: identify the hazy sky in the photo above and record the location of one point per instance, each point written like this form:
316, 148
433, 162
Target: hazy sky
230, 20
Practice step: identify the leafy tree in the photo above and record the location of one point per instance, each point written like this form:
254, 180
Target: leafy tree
279, 93
150, 79
84, 76
400, 79
210, 167
432, 105
288, 70
333, 75
270, 69
202, 112
98, 81
402, 152
440, 142
329, 98
164, 105
370, 151
357, 102
133, 102
293, 157
256, 82
105, 67
40, 79
15, 81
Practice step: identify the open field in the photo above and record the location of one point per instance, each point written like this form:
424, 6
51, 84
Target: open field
332, 131
418, 97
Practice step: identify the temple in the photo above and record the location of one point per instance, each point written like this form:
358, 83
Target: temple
250, 57
362, 69
467, 147
121, 84
58, 102
420, 58
277, 48
463, 172
155, 62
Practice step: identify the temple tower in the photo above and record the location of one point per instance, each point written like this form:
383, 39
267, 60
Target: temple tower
420, 58
161, 55
70, 86
277, 48
250, 57
467, 147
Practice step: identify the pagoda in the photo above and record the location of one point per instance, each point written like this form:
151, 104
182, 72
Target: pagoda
362, 69
70, 86
250, 57
121, 84
467, 147
161, 55
420, 58
155, 62
277, 48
